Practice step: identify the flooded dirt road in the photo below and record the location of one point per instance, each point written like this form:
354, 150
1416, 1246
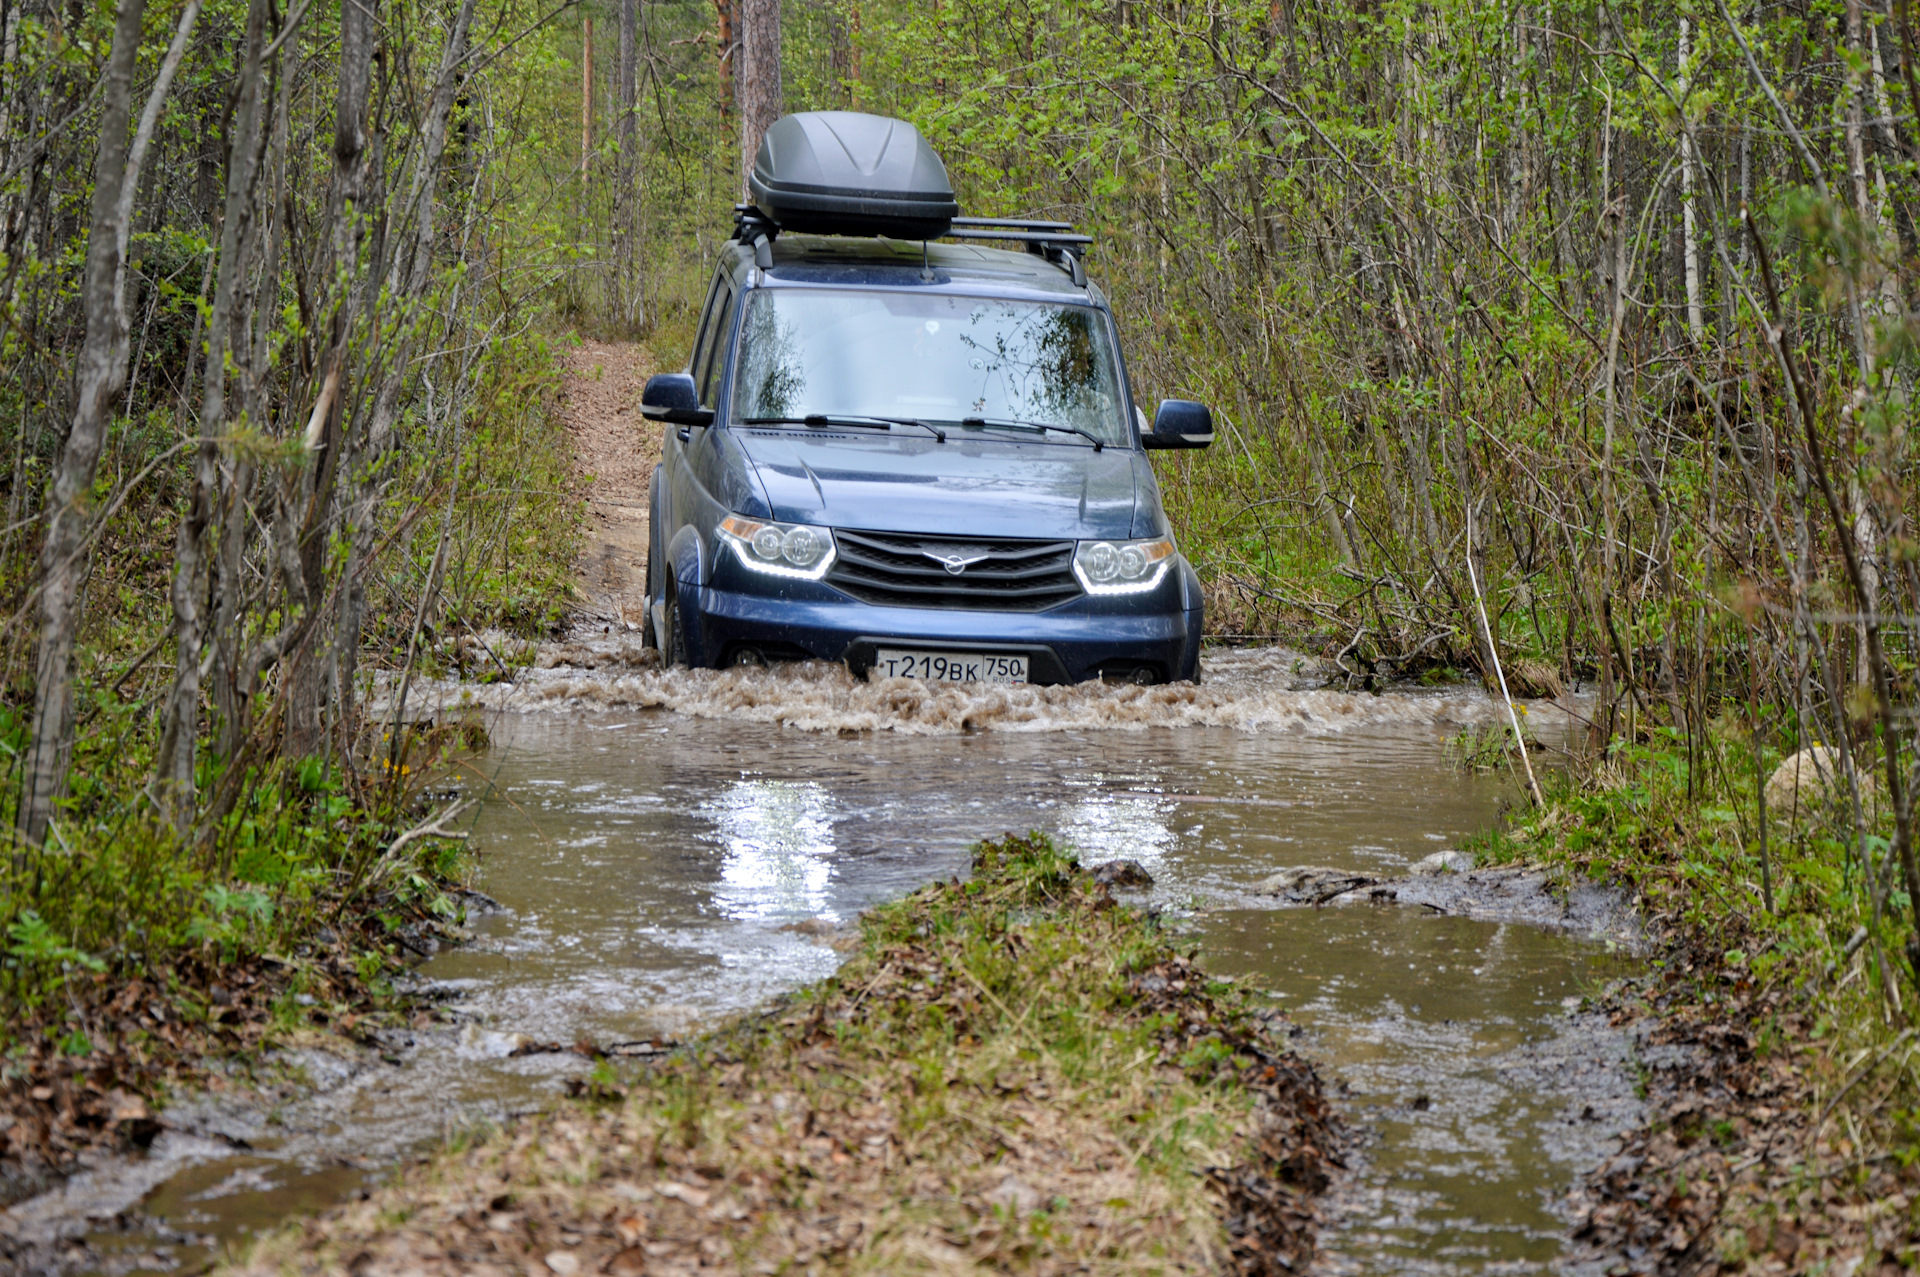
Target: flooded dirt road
646, 871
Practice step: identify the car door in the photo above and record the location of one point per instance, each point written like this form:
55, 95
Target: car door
670, 487
685, 457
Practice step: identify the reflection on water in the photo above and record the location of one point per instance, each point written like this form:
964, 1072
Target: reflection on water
777, 840
1107, 826
651, 867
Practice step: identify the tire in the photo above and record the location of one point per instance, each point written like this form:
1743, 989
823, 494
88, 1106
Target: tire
676, 652
647, 636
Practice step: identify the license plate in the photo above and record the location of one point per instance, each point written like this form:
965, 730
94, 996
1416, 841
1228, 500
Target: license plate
950, 667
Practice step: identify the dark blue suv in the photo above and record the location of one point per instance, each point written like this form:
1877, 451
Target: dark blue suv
920, 458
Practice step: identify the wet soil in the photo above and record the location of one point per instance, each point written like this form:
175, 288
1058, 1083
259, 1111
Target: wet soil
1511, 893
1737, 1165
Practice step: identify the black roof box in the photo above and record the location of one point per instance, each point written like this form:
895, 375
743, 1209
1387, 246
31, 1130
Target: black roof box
846, 173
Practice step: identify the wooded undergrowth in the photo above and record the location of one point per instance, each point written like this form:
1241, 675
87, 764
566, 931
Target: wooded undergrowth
274, 397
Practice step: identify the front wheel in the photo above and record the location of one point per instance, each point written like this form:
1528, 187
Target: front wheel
648, 636
676, 649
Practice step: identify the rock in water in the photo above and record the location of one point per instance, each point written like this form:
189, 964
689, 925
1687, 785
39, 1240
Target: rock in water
1121, 873
1309, 880
1442, 862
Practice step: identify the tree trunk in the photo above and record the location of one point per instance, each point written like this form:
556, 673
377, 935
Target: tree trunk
627, 259
180, 715
1690, 238
365, 448
726, 54
760, 92
843, 54
101, 375
586, 100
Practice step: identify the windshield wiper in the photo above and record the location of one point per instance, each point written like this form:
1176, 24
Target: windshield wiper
846, 419
1015, 423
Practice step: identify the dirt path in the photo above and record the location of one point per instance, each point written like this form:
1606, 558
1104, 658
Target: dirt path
617, 450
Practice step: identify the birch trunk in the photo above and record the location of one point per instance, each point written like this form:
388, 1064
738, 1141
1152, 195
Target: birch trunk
307, 506
586, 100
366, 449
101, 375
1690, 235
1866, 530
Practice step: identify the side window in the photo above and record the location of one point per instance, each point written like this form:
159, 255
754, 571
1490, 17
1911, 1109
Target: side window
703, 335
713, 345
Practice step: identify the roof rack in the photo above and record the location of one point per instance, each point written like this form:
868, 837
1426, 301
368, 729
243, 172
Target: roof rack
1055, 241
751, 226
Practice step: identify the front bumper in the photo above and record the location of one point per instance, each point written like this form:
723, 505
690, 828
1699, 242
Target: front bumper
1088, 637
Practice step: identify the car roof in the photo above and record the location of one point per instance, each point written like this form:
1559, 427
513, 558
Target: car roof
812, 260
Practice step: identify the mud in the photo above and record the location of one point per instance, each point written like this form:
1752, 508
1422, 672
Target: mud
1517, 894
1737, 1166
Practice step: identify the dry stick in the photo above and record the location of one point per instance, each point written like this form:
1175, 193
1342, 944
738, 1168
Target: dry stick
1813, 1133
1494, 651
419, 619
1759, 766
433, 828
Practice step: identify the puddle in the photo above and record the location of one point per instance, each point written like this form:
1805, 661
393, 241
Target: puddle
1481, 1089
654, 869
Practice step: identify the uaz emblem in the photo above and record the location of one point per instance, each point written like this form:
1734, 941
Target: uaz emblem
955, 563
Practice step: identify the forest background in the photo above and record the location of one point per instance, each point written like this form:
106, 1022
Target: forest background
1571, 345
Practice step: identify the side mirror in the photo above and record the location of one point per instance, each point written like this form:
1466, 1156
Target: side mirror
1180, 423
671, 397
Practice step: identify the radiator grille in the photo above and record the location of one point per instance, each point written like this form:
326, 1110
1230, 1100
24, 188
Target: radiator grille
908, 570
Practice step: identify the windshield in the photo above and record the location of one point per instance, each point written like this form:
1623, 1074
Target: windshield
933, 358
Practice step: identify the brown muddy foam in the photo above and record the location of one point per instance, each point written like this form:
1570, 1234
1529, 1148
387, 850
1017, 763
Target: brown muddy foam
1254, 689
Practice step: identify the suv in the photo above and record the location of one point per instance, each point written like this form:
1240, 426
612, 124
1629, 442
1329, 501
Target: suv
922, 459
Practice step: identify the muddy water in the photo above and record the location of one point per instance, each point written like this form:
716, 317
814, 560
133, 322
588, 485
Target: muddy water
656, 867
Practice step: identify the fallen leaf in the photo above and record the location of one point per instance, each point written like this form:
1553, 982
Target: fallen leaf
631, 1262
694, 1197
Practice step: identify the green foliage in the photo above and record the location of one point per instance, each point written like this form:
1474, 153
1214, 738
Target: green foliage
37, 960
1684, 831
125, 895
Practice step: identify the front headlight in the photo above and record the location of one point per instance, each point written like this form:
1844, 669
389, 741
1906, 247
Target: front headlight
1122, 567
779, 549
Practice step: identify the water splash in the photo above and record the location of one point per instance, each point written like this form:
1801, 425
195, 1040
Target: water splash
1253, 689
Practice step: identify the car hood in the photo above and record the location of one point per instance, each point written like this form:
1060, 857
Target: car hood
968, 486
